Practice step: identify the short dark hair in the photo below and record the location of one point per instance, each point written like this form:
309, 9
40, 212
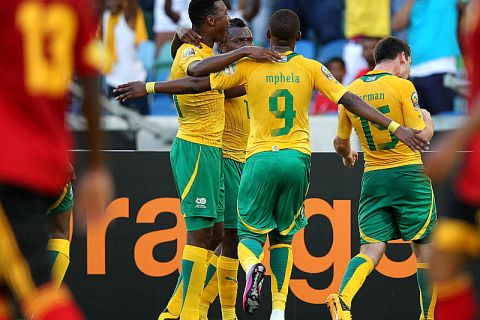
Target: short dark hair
284, 25
389, 48
236, 23
335, 59
198, 10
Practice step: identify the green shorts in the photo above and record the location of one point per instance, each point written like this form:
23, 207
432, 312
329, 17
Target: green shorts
64, 202
396, 203
232, 171
271, 194
198, 174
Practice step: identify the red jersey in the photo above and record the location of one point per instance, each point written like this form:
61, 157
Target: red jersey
43, 43
468, 183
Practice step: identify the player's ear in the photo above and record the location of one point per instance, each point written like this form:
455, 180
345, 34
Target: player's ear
211, 20
299, 36
269, 35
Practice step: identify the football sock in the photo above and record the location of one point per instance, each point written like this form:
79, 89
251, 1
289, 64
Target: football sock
428, 294
250, 252
51, 303
210, 288
456, 299
357, 271
227, 286
281, 263
194, 271
174, 306
59, 254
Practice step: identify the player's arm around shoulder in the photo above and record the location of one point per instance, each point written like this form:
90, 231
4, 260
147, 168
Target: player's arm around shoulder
429, 130
414, 116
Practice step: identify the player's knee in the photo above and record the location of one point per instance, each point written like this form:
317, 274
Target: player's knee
374, 251
230, 244
200, 238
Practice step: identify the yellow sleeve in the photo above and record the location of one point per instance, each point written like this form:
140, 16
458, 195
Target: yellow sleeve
326, 83
345, 126
232, 76
410, 107
188, 54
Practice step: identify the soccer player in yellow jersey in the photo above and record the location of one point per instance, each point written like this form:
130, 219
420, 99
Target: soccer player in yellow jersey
276, 174
196, 160
223, 265
396, 200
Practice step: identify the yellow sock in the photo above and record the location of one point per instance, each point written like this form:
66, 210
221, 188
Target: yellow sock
428, 292
227, 270
59, 253
250, 252
357, 271
210, 288
174, 305
281, 263
194, 271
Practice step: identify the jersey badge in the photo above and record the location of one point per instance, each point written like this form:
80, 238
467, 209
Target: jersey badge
415, 101
328, 74
230, 70
188, 53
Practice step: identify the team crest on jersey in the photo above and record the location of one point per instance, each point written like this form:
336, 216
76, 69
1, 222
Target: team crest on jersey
188, 53
230, 70
415, 101
327, 73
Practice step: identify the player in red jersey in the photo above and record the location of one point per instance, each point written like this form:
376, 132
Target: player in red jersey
43, 43
457, 237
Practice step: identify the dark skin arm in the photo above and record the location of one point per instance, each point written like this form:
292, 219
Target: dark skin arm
219, 62
187, 85
235, 92
250, 14
169, 11
356, 105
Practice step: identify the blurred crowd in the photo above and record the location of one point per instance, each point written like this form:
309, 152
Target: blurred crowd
339, 33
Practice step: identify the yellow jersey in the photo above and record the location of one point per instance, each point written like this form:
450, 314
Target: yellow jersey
201, 116
237, 128
279, 96
367, 18
397, 99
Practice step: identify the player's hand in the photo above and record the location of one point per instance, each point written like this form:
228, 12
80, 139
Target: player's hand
260, 53
130, 90
349, 161
425, 114
411, 139
187, 35
94, 192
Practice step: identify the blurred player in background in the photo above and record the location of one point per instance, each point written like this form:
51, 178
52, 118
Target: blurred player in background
457, 237
275, 179
44, 42
396, 200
